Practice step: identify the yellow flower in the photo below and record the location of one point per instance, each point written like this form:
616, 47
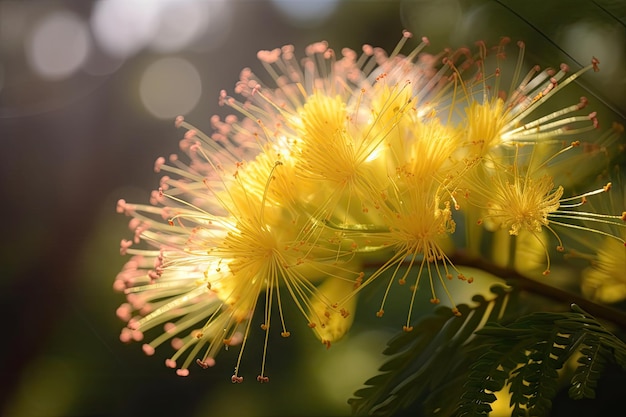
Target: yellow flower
334, 114
519, 197
604, 279
225, 243
494, 115
245, 218
416, 211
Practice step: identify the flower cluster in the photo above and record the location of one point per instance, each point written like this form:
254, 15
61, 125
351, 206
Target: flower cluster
349, 160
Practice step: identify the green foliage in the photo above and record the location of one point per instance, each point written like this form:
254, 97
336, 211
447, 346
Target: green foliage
428, 362
526, 355
454, 366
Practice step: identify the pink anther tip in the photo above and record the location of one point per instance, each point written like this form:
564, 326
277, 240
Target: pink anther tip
147, 349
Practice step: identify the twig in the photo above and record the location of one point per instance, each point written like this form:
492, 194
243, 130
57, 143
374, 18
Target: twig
521, 281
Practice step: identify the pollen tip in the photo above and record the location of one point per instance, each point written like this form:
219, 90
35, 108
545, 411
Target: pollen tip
624, 216
121, 206
207, 363
407, 329
147, 349
380, 313
158, 164
595, 62
170, 363
182, 372
236, 379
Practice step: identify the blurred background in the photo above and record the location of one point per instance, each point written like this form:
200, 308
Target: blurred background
88, 95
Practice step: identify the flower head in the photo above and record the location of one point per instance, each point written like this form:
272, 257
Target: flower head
494, 115
245, 219
604, 279
415, 208
522, 196
222, 240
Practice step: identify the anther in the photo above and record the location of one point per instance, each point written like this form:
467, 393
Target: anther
147, 349
158, 164
595, 62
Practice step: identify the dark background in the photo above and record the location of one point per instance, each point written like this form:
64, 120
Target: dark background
73, 144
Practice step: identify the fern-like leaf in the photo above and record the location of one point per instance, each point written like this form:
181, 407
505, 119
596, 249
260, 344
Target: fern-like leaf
426, 360
527, 354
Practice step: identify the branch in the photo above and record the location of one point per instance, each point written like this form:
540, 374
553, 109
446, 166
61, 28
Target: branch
523, 282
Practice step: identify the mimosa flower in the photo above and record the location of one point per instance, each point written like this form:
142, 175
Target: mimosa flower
605, 280
416, 210
336, 114
521, 197
494, 115
225, 243
244, 219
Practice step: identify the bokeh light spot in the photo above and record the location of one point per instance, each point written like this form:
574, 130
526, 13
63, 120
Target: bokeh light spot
181, 21
122, 27
169, 87
58, 45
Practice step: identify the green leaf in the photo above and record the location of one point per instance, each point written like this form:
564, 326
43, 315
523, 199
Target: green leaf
427, 361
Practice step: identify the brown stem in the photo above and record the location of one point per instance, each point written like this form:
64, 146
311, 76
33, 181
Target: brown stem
523, 282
